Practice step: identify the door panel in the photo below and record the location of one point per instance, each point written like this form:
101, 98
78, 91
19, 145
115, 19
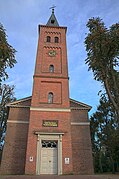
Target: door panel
49, 160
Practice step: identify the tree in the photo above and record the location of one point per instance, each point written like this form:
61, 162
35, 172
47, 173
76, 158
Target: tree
105, 138
102, 46
7, 54
7, 60
7, 96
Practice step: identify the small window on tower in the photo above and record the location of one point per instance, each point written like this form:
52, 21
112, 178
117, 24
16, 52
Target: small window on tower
50, 97
48, 38
56, 40
51, 68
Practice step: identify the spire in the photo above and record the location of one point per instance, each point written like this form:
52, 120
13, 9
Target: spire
52, 20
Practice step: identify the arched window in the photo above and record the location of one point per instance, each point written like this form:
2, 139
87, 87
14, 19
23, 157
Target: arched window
48, 39
52, 21
51, 68
50, 97
56, 40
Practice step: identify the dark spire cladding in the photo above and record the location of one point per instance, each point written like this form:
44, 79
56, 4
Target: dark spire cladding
52, 20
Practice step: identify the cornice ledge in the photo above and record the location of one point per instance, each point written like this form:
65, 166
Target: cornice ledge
50, 109
17, 106
79, 108
43, 76
58, 27
48, 133
80, 123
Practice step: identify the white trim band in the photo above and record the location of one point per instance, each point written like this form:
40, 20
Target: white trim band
18, 122
80, 123
49, 133
50, 109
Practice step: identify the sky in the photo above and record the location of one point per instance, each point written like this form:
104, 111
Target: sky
21, 18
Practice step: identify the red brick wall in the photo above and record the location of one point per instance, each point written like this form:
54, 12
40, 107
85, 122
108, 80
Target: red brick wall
43, 86
81, 143
51, 86
60, 60
57, 83
79, 116
14, 153
36, 125
19, 114
56, 60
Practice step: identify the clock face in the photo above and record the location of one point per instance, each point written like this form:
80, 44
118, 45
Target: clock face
52, 53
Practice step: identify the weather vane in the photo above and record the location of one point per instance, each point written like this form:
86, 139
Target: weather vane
52, 8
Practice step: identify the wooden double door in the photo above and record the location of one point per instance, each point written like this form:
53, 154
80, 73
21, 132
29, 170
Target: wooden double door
49, 157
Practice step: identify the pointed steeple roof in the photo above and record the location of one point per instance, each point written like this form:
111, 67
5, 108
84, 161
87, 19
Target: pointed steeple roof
52, 20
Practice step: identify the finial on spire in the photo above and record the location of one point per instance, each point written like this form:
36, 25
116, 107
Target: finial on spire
52, 20
52, 9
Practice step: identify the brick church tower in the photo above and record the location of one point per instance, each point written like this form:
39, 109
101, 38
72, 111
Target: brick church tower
50, 108
48, 133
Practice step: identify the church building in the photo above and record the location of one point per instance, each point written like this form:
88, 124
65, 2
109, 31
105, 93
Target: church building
48, 132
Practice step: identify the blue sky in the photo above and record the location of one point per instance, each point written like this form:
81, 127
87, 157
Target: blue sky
20, 18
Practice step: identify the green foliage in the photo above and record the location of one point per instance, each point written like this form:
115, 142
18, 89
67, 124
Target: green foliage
102, 46
7, 60
7, 54
105, 138
7, 96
